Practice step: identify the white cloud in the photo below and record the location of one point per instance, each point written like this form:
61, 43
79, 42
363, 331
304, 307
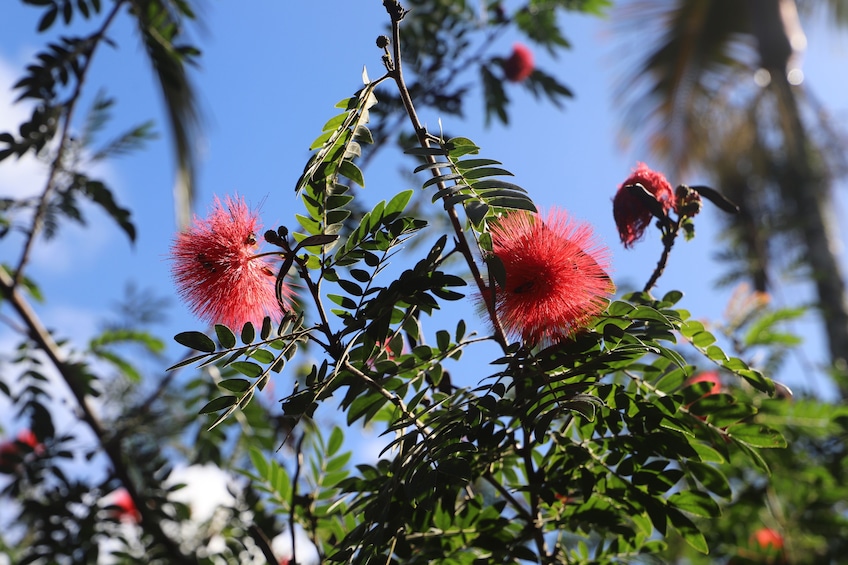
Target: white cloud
307, 553
205, 490
26, 176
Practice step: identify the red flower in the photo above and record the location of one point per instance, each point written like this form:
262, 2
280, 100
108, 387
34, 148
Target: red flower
217, 271
767, 538
125, 509
26, 437
631, 213
519, 65
555, 275
11, 453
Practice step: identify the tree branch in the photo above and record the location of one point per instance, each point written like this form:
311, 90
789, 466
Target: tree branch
70, 374
56, 166
395, 68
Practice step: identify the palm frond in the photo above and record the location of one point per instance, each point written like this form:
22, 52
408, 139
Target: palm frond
694, 49
160, 23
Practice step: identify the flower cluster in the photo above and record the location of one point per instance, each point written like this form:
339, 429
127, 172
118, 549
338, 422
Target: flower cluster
519, 65
218, 272
556, 279
632, 213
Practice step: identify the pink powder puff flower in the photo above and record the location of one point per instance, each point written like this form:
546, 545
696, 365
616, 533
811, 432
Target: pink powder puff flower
519, 65
631, 213
556, 279
218, 272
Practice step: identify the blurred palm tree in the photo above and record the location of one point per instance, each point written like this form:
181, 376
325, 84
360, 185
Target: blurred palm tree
717, 85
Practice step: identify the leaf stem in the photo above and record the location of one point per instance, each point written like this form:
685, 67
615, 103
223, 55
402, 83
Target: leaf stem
395, 68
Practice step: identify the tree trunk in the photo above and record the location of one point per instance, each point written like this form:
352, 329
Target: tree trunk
804, 184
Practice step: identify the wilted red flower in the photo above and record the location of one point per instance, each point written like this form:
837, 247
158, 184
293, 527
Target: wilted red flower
631, 213
125, 509
218, 272
519, 65
555, 275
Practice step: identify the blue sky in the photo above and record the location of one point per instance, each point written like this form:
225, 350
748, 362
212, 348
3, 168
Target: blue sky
260, 123
269, 77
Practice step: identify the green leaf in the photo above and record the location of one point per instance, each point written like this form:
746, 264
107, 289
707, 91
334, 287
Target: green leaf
351, 171
118, 336
397, 204
619, 309
711, 478
687, 529
128, 370
360, 275
198, 341
707, 454
695, 502
716, 353
691, 327
48, 18
235, 385
248, 369
226, 337
648, 313
703, 339
476, 211
335, 441
259, 462
263, 356
672, 297
248, 333
757, 435
218, 404
350, 287
343, 301
443, 340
